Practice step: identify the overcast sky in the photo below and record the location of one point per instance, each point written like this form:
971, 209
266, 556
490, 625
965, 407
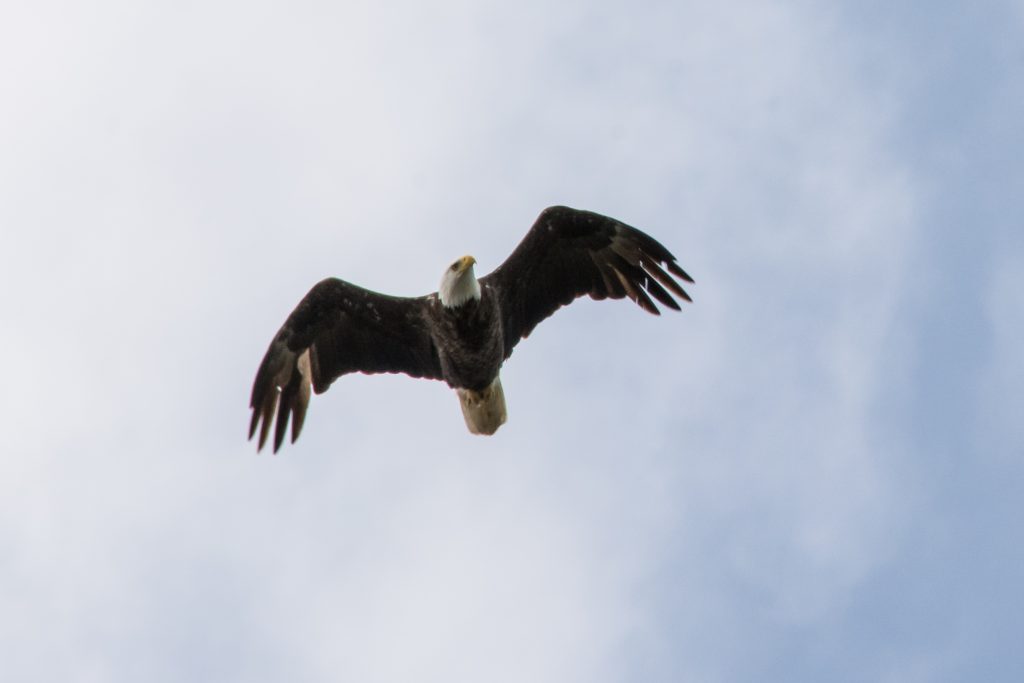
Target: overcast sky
815, 472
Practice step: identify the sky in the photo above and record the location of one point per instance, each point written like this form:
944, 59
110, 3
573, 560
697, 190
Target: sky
814, 472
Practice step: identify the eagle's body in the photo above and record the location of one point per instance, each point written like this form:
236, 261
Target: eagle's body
463, 333
468, 337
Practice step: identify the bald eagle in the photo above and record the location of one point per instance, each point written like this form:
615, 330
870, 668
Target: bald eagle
462, 333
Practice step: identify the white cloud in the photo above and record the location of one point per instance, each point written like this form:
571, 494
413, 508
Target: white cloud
184, 173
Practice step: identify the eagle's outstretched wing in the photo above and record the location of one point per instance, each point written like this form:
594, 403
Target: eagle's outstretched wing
336, 329
569, 253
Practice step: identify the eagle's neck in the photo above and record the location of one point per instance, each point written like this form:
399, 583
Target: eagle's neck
458, 286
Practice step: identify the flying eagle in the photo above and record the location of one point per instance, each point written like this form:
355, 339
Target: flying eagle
465, 331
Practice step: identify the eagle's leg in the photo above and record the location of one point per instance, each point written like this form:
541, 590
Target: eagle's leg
484, 410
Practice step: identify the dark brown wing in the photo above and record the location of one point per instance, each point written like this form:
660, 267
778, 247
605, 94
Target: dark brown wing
569, 253
336, 329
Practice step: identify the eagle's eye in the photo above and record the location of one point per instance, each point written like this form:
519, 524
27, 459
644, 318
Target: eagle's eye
455, 266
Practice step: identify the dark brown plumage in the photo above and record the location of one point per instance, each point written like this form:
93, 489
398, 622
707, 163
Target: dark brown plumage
339, 328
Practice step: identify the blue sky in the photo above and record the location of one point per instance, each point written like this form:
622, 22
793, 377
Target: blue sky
814, 472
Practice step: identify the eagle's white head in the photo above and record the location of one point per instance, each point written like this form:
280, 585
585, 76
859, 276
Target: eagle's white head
459, 283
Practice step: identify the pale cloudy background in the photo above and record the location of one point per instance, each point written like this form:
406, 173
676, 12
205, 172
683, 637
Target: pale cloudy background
814, 473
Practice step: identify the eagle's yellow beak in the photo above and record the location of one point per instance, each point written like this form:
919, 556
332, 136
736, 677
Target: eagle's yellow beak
465, 263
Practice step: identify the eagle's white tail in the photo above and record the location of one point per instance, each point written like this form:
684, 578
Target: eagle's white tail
484, 410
